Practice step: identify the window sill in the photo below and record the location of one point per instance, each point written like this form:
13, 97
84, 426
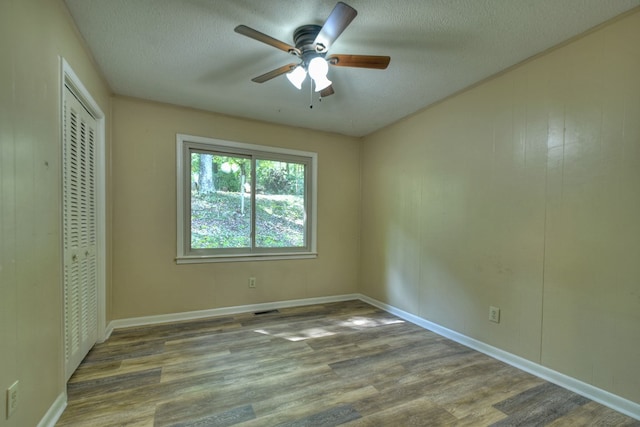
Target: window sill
244, 258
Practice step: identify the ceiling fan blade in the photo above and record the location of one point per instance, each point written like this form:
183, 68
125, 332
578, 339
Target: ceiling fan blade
261, 37
360, 61
340, 17
327, 91
274, 73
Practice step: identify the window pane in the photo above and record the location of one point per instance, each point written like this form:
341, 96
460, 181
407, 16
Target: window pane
220, 201
280, 204
242, 201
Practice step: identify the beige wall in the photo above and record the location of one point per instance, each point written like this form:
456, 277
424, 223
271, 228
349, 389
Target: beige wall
33, 34
147, 280
522, 193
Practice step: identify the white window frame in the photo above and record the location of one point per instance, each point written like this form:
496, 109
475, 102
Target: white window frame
183, 142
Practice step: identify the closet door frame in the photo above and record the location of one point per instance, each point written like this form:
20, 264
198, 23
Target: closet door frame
70, 80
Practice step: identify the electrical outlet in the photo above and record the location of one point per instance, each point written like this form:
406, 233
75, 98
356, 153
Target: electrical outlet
12, 399
252, 282
494, 314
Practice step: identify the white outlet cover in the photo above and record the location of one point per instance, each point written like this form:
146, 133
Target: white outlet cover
494, 314
12, 399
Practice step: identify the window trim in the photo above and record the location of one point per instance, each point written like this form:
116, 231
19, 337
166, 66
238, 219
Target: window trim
238, 148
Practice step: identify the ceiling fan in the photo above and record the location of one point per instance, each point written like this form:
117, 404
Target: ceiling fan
312, 42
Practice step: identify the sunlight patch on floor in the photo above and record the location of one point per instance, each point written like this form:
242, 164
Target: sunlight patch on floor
299, 336
356, 322
366, 322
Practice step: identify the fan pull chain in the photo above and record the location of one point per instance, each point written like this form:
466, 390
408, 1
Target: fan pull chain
311, 95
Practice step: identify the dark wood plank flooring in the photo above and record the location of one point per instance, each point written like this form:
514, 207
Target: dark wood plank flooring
344, 363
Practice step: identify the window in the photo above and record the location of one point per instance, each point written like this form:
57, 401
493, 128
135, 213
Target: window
240, 202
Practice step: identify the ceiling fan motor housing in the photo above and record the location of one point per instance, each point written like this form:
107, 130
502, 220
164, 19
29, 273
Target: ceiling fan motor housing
304, 38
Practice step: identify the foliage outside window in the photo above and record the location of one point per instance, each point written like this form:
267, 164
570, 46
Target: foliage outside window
244, 201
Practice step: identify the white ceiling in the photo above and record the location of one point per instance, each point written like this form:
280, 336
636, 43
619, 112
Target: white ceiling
185, 52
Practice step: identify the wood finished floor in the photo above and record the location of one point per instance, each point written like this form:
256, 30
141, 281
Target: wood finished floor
344, 363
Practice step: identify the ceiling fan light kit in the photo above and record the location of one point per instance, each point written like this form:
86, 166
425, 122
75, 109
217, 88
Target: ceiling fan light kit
312, 42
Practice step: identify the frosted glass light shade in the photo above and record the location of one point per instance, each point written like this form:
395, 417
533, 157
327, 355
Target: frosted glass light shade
318, 69
322, 84
297, 76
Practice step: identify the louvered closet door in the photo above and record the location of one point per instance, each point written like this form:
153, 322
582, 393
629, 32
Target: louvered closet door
79, 217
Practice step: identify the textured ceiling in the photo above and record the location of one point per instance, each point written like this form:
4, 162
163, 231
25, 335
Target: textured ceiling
185, 52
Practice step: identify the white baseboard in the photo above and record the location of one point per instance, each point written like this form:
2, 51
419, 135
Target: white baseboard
55, 411
589, 391
107, 332
225, 311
